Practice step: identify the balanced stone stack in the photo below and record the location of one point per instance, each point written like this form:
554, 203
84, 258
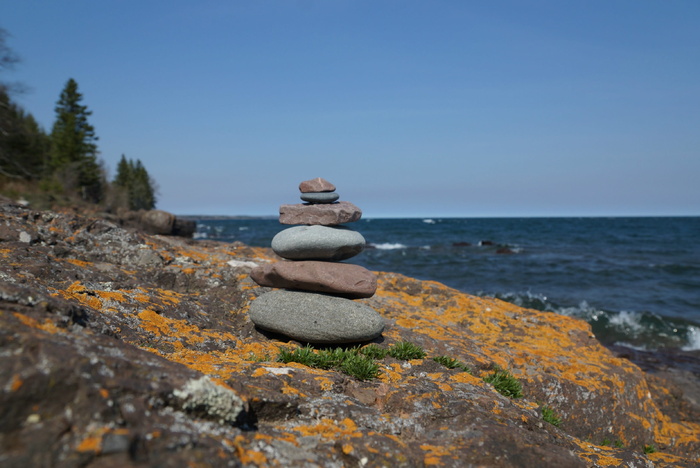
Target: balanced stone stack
315, 304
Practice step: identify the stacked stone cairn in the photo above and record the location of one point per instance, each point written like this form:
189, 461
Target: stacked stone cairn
315, 303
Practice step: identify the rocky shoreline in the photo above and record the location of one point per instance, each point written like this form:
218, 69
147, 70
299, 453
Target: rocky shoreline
121, 348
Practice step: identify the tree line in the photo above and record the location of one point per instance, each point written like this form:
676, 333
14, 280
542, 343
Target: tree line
64, 162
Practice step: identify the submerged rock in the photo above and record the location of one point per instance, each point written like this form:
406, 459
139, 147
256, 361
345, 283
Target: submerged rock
316, 318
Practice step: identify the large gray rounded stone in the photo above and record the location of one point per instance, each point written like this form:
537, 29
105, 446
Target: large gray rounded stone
318, 243
316, 318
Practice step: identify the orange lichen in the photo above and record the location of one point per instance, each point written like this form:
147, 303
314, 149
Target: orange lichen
112, 296
326, 384
328, 429
248, 456
80, 263
47, 325
15, 383
435, 453
90, 444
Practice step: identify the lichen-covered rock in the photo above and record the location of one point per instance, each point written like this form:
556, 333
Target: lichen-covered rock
123, 349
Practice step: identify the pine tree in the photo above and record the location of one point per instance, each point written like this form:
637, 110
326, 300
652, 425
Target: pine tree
24, 145
123, 173
73, 147
134, 179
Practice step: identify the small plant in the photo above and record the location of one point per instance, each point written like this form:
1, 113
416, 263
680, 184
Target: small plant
504, 383
406, 351
550, 416
606, 442
649, 448
375, 352
359, 366
348, 361
452, 363
305, 356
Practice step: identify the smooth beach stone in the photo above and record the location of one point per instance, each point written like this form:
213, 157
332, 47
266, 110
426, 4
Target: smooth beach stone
330, 214
351, 281
318, 243
320, 197
315, 318
316, 185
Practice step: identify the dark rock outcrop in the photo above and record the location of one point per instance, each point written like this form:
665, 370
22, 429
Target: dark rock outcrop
119, 348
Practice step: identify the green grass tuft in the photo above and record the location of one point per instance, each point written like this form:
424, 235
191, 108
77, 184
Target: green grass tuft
406, 351
550, 416
504, 382
452, 363
348, 361
649, 448
359, 366
375, 352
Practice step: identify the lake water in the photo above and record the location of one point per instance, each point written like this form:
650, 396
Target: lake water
635, 280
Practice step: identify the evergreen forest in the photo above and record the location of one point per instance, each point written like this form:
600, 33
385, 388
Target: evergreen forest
61, 167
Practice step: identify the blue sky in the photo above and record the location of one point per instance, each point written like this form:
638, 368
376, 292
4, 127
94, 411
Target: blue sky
411, 108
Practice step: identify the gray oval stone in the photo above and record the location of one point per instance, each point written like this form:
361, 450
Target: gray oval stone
320, 197
318, 243
316, 318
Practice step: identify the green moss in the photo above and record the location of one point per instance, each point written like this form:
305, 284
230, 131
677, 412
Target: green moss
504, 383
452, 363
406, 351
550, 416
649, 448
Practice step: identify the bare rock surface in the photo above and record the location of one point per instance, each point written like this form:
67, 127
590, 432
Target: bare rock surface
124, 349
327, 214
345, 279
316, 318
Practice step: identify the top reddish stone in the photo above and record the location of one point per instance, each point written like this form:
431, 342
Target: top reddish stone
316, 185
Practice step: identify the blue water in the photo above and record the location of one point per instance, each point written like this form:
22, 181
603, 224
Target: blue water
635, 280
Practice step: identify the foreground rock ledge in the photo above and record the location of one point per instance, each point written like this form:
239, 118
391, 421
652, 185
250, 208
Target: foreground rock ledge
122, 349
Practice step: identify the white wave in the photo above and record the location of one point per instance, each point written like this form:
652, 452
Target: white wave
632, 346
199, 235
243, 228
628, 320
429, 221
693, 339
583, 310
388, 246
